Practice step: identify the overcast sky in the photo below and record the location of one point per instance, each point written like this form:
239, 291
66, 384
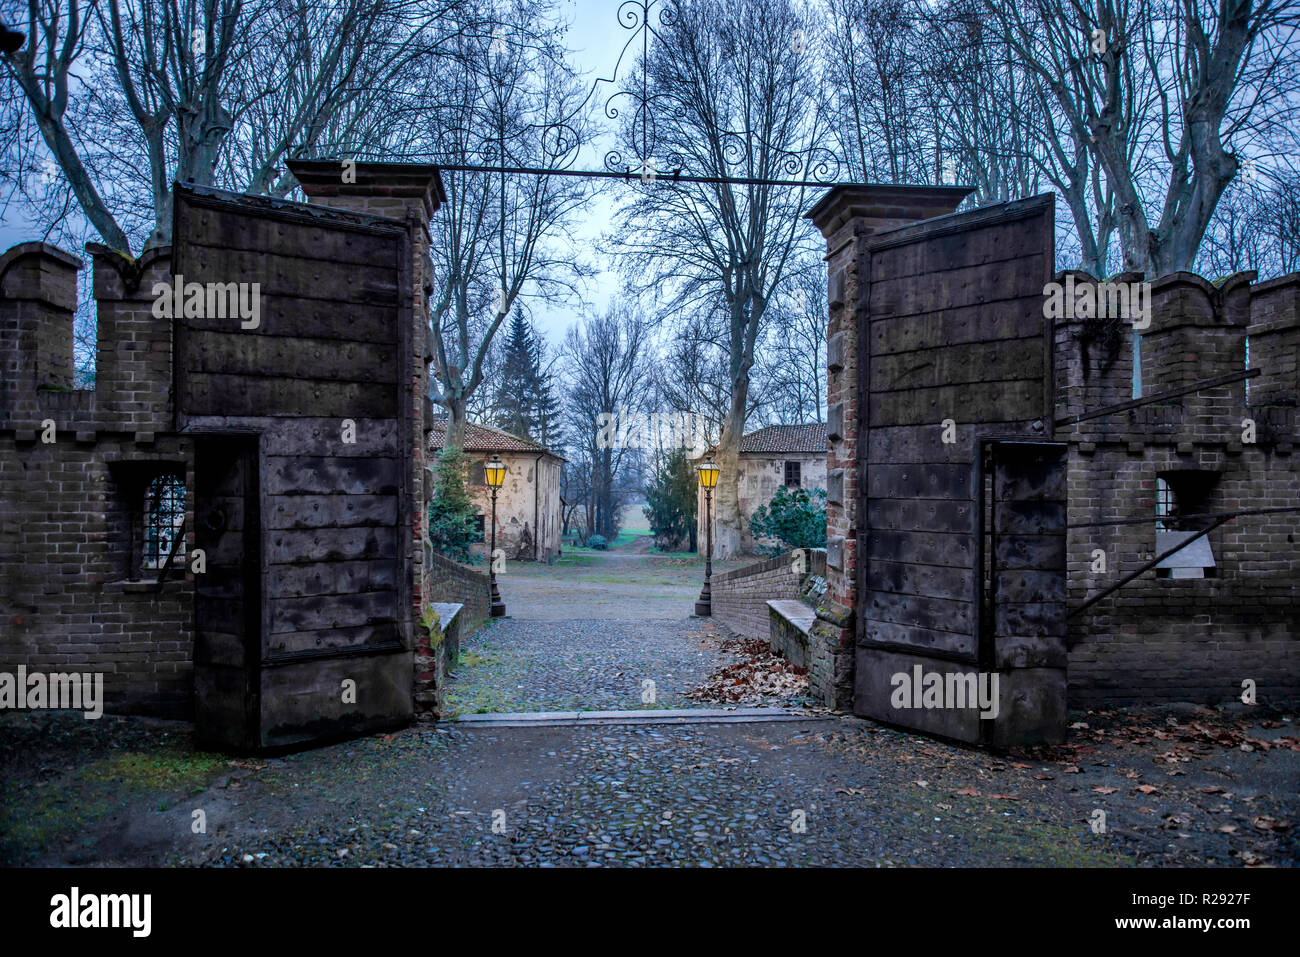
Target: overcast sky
595, 39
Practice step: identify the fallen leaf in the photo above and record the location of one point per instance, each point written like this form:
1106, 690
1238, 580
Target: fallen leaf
968, 792
1147, 789
1102, 789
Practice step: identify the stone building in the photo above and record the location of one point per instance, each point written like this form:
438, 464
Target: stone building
528, 504
793, 456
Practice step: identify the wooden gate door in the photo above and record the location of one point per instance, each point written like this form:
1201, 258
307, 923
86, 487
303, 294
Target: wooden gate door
954, 351
293, 342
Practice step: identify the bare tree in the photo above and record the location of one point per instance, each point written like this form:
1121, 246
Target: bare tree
608, 375
1168, 92
504, 237
733, 92
792, 366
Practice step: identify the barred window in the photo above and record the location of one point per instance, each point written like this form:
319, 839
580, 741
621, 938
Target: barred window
478, 473
792, 476
1166, 508
164, 514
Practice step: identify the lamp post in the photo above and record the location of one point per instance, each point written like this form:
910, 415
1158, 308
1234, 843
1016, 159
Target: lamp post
708, 481
495, 471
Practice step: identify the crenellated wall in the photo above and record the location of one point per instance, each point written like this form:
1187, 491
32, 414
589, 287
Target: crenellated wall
73, 469
1173, 638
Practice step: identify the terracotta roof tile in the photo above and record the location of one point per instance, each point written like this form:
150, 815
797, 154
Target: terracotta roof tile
808, 437
483, 438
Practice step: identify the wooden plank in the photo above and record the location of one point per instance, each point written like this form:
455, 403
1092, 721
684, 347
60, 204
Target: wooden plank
953, 288
908, 444
1044, 552
1020, 317
215, 232
242, 353
317, 318
1030, 620
921, 548
1030, 586
1030, 518
920, 481
332, 611
981, 403
954, 364
319, 436
926, 515
331, 578
306, 546
331, 511
215, 394
292, 277
928, 581
922, 639
328, 475
998, 244
338, 639
938, 614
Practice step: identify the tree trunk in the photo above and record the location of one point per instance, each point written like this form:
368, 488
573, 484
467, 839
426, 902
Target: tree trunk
726, 497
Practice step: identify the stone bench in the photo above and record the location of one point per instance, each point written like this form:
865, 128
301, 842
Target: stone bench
789, 622
435, 656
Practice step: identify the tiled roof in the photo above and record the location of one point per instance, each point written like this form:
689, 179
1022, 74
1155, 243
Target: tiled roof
483, 438
809, 437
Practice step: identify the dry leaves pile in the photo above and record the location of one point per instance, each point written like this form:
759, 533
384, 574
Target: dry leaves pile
760, 675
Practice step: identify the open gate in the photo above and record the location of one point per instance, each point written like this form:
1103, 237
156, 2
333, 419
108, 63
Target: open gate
961, 557
292, 351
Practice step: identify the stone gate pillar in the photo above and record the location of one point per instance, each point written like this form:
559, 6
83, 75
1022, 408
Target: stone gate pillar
848, 216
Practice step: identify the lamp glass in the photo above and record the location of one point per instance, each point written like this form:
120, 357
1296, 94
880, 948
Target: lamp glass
708, 475
495, 472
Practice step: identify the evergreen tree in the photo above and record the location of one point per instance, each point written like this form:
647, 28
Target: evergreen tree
453, 524
518, 379
525, 400
671, 503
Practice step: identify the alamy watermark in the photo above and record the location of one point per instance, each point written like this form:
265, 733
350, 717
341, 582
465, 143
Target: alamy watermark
951, 690
33, 691
1130, 301
214, 300
653, 430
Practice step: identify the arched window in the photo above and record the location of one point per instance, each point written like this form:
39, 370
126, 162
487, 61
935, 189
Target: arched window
164, 514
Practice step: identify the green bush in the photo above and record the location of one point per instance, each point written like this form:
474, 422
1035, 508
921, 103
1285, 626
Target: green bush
597, 542
453, 525
795, 519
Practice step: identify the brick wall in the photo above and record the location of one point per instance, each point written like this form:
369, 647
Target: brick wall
1165, 639
72, 597
449, 581
740, 596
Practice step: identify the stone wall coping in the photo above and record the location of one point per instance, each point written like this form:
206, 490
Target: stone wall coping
794, 612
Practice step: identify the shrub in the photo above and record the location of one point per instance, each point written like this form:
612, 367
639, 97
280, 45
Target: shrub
795, 519
597, 542
453, 525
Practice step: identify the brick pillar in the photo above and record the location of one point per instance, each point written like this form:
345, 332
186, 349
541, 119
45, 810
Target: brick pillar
38, 296
1274, 333
1198, 331
133, 360
848, 216
412, 193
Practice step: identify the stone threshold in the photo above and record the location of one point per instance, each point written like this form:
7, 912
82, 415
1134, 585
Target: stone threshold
533, 719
